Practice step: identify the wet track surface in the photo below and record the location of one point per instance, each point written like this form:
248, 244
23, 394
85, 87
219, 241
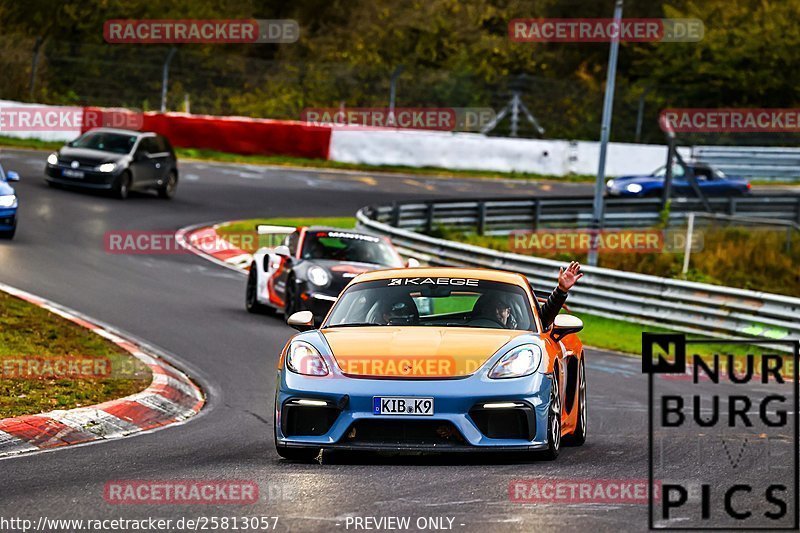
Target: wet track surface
194, 310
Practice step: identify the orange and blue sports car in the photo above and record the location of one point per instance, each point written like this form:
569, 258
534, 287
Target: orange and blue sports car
432, 359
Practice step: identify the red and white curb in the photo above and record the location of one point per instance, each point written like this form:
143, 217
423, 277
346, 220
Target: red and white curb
196, 239
172, 398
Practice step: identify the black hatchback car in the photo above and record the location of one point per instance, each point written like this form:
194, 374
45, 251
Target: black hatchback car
115, 160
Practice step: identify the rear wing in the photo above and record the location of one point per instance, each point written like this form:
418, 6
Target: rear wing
271, 236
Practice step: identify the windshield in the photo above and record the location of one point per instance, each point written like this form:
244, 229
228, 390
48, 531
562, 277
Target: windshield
450, 302
347, 246
118, 143
677, 171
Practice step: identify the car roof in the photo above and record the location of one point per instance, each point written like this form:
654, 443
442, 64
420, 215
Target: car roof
486, 274
122, 131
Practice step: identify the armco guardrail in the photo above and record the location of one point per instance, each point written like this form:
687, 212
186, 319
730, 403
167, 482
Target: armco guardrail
751, 161
499, 217
680, 305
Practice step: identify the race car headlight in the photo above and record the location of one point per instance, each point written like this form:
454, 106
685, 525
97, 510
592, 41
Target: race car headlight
52, 159
8, 200
520, 361
107, 167
635, 188
318, 276
610, 184
302, 358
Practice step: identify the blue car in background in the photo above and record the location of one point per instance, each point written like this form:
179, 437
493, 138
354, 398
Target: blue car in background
8, 204
713, 182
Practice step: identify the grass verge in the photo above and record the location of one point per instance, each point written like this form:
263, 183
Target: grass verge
747, 258
48, 362
626, 337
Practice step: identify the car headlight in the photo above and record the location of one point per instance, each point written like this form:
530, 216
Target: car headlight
8, 200
520, 361
610, 184
302, 358
52, 159
635, 188
107, 167
318, 276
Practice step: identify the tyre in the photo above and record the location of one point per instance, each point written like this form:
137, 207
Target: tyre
9, 234
122, 185
167, 191
578, 437
251, 302
290, 306
553, 421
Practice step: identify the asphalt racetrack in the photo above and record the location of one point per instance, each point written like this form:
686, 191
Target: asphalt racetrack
194, 310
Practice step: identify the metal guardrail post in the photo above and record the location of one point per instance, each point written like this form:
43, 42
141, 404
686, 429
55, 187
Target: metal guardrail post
481, 222
537, 213
732, 206
798, 211
395, 215
429, 217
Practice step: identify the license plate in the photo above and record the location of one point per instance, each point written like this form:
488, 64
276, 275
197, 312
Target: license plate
392, 405
73, 173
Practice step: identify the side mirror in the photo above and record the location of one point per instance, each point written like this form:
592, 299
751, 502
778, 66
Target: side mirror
282, 251
140, 156
412, 263
301, 320
12, 176
565, 325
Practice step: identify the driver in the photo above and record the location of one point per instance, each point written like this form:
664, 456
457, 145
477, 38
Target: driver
498, 309
400, 313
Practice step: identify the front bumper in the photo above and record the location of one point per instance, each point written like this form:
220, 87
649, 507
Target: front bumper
8, 218
455, 425
91, 179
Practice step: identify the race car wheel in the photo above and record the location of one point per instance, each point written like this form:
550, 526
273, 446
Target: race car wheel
167, 191
8, 234
290, 305
553, 421
122, 185
578, 437
251, 295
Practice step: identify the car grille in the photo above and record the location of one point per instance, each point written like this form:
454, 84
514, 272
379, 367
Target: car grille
304, 420
404, 432
511, 423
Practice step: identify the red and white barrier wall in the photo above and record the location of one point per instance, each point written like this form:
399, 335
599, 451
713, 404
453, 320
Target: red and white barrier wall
374, 146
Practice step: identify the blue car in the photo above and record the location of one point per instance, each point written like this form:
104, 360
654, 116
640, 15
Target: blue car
8, 204
432, 359
712, 182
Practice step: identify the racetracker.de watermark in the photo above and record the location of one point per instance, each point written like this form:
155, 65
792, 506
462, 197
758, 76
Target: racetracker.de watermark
62, 367
181, 492
578, 491
602, 30
129, 31
420, 118
51, 118
730, 120
163, 242
607, 241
